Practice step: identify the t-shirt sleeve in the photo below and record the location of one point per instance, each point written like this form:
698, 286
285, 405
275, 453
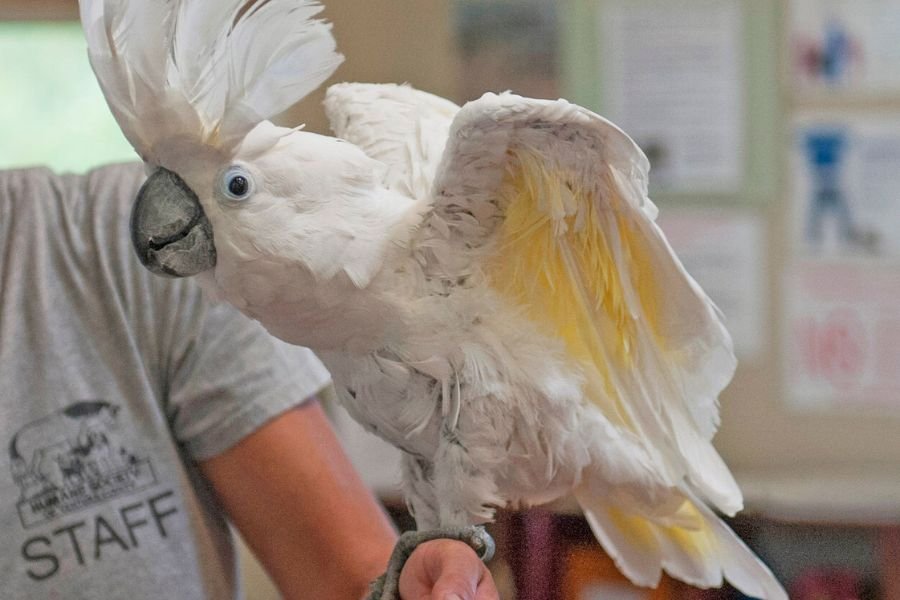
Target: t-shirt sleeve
230, 377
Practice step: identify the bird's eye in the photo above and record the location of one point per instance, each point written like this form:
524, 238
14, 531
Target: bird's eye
237, 184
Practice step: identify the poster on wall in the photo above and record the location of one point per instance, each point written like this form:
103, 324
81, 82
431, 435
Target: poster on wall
724, 252
842, 337
842, 318
508, 45
845, 184
672, 76
848, 46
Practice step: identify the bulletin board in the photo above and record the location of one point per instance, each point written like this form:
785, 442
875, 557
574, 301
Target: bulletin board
811, 421
604, 38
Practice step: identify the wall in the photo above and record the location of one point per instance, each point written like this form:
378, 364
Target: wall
790, 462
399, 41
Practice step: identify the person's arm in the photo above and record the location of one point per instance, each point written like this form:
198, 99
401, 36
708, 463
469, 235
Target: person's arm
300, 505
296, 499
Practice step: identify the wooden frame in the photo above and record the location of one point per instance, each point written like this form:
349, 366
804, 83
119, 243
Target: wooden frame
38, 10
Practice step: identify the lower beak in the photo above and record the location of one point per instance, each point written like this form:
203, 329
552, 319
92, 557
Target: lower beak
169, 229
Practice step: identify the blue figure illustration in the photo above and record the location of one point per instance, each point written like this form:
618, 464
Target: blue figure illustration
825, 151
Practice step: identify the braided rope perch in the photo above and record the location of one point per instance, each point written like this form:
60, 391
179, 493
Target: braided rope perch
387, 586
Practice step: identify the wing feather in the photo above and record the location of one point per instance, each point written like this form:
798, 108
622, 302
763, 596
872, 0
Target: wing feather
563, 227
701, 554
404, 128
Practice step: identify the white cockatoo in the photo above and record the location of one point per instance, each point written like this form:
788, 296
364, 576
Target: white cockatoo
486, 284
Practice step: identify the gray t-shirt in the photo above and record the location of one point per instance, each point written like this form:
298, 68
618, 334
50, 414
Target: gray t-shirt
112, 381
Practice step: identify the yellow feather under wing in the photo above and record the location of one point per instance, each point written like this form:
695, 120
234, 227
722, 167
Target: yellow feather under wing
592, 270
532, 264
548, 201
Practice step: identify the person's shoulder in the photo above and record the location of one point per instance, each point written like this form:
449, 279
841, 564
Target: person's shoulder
128, 171
99, 205
25, 173
19, 187
108, 190
129, 175
113, 186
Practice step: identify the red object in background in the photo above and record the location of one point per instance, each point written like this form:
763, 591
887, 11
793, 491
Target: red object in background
827, 584
835, 348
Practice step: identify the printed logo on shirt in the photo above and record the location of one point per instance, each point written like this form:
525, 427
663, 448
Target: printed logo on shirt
84, 541
72, 459
85, 494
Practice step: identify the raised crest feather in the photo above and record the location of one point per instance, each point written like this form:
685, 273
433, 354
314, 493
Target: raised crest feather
221, 68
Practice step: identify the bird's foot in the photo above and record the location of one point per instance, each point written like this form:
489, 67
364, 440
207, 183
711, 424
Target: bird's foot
387, 587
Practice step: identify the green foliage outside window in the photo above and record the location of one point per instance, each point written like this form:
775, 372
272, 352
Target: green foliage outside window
52, 112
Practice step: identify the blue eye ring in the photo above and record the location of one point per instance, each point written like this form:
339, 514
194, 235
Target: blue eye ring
237, 184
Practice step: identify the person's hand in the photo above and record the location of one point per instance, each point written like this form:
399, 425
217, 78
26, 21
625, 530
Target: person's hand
446, 570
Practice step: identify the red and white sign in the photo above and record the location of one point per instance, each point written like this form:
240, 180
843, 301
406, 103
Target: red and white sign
843, 336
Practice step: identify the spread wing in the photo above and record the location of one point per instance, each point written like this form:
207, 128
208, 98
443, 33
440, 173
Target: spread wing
404, 128
548, 202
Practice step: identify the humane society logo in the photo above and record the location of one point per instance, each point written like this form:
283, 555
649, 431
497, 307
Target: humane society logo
72, 459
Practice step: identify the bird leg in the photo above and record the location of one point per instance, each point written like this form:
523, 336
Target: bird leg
387, 586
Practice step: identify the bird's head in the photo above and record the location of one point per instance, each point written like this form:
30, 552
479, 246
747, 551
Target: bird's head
193, 84
298, 198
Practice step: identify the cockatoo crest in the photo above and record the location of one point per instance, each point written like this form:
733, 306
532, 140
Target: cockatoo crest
183, 73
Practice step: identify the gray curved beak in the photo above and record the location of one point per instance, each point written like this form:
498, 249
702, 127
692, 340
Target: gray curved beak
169, 229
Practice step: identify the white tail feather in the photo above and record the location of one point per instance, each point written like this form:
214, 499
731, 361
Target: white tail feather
642, 566
741, 566
700, 556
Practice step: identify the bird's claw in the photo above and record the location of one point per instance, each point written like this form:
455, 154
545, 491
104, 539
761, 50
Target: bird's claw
387, 586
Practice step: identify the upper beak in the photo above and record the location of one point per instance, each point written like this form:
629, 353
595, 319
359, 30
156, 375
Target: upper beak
169, 229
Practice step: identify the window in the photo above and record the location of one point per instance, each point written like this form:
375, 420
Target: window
52, 112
